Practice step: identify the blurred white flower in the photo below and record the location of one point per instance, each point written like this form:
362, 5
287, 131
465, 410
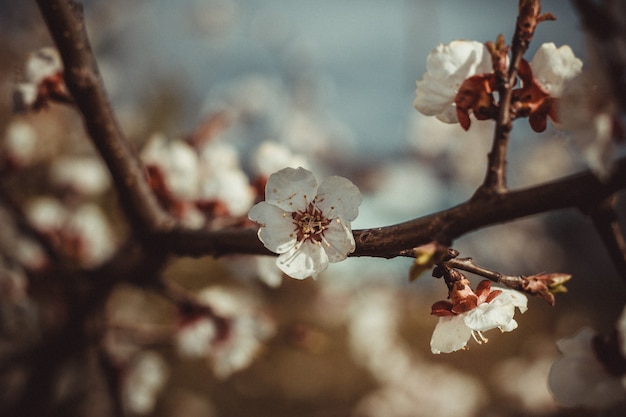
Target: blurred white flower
473, 314
44, 81
146, 377
587, 113
179, 163
228, 330
308, 226
86, 175
42, 64
82, 233
271, 157
578, 378
249, 267
20, 144
447, 66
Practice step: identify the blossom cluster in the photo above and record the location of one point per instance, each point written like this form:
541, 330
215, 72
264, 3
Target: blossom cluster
591, 371
460, 81
469, 313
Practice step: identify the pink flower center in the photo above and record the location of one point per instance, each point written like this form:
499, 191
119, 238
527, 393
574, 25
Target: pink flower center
310, 223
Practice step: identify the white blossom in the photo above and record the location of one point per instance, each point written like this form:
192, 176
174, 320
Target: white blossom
179, 163
578, 378
230, 336
587, 114
552, 67
272, 156
85, 175
146, 378
42, 64
453, 332
447, 66
306, 224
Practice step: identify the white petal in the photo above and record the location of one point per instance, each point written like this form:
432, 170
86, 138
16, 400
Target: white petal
277, 231
489, 316
450, 334
303, 260
338, 241
291, 189
338, 197
447, 67
516, 298
553, 66
579, 379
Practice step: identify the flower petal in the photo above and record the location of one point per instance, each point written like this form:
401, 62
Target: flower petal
291, 189
553, 66
489, 316
338, 241
277, 230
450, 334
305, 259
338, 197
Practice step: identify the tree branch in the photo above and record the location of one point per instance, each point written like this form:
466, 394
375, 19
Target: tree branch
398, 240
605, 220
527, 20
64, 19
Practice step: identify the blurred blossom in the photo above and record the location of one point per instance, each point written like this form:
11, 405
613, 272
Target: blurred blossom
578, 378
229, 333
528, 389
82, 233
145, 377
14, 245
20, 145
587, 113
316, 134
271, 157
306, 224
86, 176
249, 267
188, 179
179, 163
44, 81
409, 386
42, 64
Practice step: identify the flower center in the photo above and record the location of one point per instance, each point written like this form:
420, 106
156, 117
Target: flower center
310, 223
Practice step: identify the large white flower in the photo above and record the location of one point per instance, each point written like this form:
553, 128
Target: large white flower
552, 67
578, 378
308, 226
447, 66
494, 309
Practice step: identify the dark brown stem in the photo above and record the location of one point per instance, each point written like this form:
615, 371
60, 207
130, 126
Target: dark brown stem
468, 265
495, 178
605, 220
64, 19
444, 226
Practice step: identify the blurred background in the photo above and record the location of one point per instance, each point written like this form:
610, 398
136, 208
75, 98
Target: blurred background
334, 82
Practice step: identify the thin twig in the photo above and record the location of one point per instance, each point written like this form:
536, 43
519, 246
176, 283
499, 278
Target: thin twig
527, 20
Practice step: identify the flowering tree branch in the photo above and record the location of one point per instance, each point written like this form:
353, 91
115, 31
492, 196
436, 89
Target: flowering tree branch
66, 25
64, 19
528, 18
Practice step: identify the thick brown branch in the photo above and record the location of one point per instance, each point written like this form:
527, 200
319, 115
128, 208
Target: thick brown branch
65, 22
605, 220
444, 226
